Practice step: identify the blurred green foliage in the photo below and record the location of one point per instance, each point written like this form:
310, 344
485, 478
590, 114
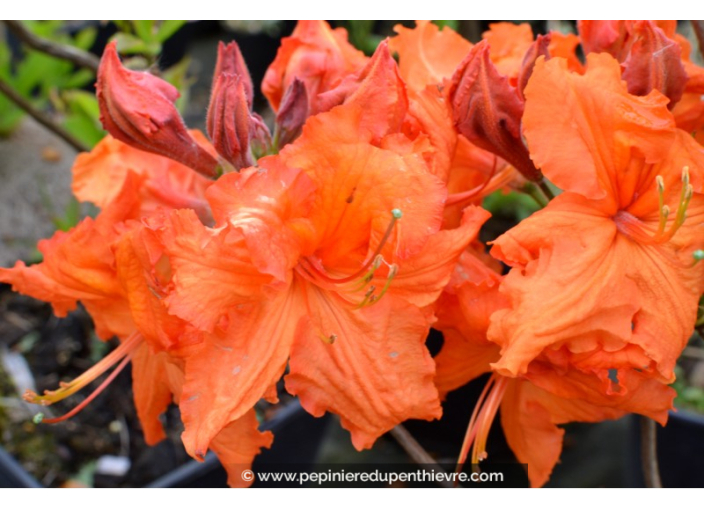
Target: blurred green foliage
144, 37
49, 81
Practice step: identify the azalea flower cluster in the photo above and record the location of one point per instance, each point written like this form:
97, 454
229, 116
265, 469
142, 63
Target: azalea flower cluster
326, 248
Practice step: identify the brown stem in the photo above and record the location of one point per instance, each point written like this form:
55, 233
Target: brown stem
43, 119
698, 26
77, 56
649, 453
417, 452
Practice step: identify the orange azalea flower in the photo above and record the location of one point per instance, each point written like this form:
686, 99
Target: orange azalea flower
343, 282
115, 266
603, 280
318, 56
532, 406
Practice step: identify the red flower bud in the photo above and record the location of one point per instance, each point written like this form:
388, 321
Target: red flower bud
487, 110
259, 136
230, 61
293, 112
138, 109
228, 120
654, 62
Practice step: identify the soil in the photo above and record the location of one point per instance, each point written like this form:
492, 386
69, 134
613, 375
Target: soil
66, 454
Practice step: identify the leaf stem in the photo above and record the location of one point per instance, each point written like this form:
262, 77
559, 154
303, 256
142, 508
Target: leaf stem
77, 56
42, 118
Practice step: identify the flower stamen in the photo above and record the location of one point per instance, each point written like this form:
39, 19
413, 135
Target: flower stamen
480, 423
313, 271
123, 354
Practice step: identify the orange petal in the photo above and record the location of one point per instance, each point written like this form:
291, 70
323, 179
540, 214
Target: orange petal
145, 286
609, 299
569, 276
530, 432
152, 394
428, 55
463, 311
378, 83
635, 392
509, 43
358, 185
315, 54
100, 174
213, 272
374, 375
269, 205
234, 368
421, 278
78, 265
565, 46
585, 141
237, 444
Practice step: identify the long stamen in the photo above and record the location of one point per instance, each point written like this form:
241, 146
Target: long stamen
480, 423
371, 298
95, 393
664, 213
681, 214
124, 351
486, 419
472, 428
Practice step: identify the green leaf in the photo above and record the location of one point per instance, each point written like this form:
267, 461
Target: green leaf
85, 38
82, 118
452, 23
129, 44
176, 75
79, 79
144, 28
168, 28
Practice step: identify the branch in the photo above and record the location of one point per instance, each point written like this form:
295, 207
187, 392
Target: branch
649, 453
77, 56
417, 452
42, 118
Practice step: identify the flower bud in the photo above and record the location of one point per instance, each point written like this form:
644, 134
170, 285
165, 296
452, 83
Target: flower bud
487, 110
293, 113
228, 120
138, 109
230, 61
654, 62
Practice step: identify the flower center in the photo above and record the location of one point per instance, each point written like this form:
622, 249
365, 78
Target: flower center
312, 270
634, 228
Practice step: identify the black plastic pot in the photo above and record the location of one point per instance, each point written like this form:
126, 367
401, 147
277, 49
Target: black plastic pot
297, 438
